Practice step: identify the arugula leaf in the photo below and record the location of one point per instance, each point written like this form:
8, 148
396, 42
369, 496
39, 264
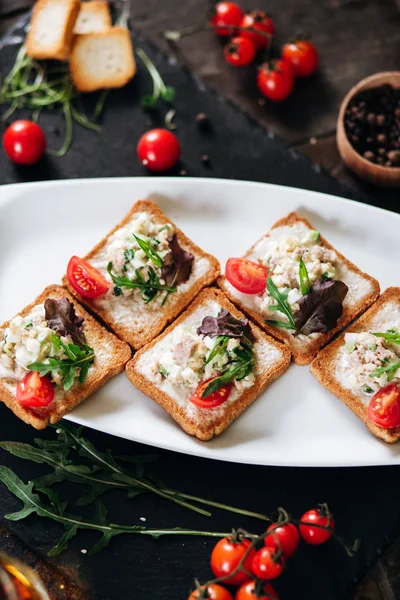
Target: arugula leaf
239, 368
148, 289
77, 364
305, 283
61, 317
149, 251
283, 305
387, 367
219, 347
391, 335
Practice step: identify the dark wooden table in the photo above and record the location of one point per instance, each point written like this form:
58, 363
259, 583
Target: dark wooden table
355, 38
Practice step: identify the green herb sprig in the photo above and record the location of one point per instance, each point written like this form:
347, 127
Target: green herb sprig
219, 347
305, 283
238, 368
148, 288
387, 367
149, 251
160, 90
77, 364
282, 305
391, 335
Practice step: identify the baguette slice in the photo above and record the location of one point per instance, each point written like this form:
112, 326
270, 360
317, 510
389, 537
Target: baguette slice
363, 291
51, 29
326, 367
131, 319
102, 60
271, 358
94, 16
111, 357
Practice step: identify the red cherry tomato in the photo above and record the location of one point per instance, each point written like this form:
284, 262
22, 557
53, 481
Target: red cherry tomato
303, 57
158, 150
384, 408
226, 13
268, 564
285, 539
214, 591
259, 21
35, 391
214, 399
246, 276
24, 142
239, 52
249, 591
226, 556
316, 535
275, 80
87, 281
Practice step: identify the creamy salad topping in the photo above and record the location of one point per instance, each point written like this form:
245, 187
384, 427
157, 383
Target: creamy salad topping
369, 362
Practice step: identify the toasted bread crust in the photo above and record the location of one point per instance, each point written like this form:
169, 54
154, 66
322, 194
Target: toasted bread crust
96, 335
200, 430
61, 50
100, 8
167, 314
321, 368
348, 315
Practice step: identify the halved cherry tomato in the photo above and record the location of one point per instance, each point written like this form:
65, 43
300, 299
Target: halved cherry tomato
35, 391
246, 276
255, 21
214, 591
226, 13
384, 408
248, 591
214, 399
275, 80
239, 52
87, 281
24, 142
268, 563
316, 535
284, 538
226, 556
303, 57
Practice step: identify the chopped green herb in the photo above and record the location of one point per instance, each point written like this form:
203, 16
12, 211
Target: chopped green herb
349, 347
283, 306
129, 254
325, 277
368, 390
164, 228
163, 371
149, 251
155, 241
387, 367
391, 335
117, 291
372, 346
305, 283
314, 236
29, 325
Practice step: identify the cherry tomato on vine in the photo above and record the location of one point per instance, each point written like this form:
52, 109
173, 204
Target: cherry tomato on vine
268, 563
254, 22
35, 391
226, 13
253, 591
246, 276
303, 57
239, 52
285, 538
275, 80
316, 535
85, 279
158, 149
384, 408
214, 591
24, 142
226, 556
214, 399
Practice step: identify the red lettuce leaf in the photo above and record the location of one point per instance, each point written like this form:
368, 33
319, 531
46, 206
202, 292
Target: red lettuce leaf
225, 324
61, 317
320, 309
177, 265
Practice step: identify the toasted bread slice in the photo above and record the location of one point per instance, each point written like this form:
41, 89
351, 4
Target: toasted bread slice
51, 29
94, 16
327, 368
363, 291
102, 60
131, 319
271, 361
111, 356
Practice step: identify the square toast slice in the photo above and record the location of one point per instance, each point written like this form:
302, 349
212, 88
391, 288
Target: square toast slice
271, 361
111, 355
328, 366
129, 317
94, 16
51, 29
363, 290
102, 60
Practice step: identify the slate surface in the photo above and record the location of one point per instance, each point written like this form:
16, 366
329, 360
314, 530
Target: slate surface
365, 501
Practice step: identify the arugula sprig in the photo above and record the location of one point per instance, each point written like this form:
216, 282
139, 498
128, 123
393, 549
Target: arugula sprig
77, 364
282, 305
305, 283
391, 335
219, 347
238, 368
387, 367
149, 251
148, 288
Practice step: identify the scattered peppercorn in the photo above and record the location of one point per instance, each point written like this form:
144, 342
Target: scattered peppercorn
372, 124
202, 120
205, 159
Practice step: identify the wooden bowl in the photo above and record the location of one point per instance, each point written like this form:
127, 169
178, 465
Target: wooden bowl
376, 174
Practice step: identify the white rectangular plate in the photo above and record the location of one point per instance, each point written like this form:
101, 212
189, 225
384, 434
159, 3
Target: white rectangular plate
296, 422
